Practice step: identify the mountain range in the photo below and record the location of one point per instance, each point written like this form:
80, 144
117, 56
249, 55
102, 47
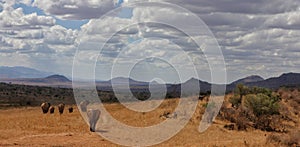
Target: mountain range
29, 76
21, 72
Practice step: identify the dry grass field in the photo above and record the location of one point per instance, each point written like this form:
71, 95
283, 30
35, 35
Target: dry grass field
27, 126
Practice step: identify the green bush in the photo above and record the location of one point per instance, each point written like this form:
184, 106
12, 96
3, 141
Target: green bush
262, 104
255, 107
235, 101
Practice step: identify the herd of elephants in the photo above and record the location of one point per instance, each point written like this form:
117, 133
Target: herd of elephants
93, 114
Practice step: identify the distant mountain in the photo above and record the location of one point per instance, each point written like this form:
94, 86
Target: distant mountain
287, 79
190, 84
29, 76
50, 79
57, 78
21, 72
249, 79
123, 80
53, 81
189, 87
121, 83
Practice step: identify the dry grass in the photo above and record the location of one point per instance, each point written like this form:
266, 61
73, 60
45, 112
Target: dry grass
290, 139
29, 127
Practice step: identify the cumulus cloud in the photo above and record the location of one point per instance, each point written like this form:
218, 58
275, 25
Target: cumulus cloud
34, 40
252, 34
19, 31
140, 37
58, 35
77, 10
14, 19
256, 37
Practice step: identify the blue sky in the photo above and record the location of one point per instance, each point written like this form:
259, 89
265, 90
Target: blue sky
255, 37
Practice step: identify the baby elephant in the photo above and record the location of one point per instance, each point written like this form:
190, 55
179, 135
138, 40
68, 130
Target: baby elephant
70, 109
61, 108
93, 116
51, 109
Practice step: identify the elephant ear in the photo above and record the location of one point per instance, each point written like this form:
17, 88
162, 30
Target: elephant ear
89, 113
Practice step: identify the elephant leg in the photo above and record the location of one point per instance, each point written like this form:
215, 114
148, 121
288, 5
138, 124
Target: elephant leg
92, 126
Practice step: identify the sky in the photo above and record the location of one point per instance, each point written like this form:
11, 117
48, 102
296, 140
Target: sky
258, 37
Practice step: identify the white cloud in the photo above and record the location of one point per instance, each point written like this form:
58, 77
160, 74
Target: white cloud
251, 34
58, 35
16, 19
75, 9
289, 20
236, 6
29, 34
26, 2
34, 41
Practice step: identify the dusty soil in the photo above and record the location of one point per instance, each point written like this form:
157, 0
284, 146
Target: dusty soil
29, 127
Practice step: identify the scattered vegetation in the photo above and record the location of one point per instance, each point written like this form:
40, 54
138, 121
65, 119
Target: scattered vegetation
266, 110
24, 95
253, 107
13, 95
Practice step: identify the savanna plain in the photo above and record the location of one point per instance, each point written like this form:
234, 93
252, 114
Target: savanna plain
28, 126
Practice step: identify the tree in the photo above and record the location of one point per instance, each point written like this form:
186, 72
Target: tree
239, 92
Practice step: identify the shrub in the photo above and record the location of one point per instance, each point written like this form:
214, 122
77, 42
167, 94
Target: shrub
254, 107
264, 123
229, 126
228, 114
262, 104
242, 123
257, 90
235, 101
